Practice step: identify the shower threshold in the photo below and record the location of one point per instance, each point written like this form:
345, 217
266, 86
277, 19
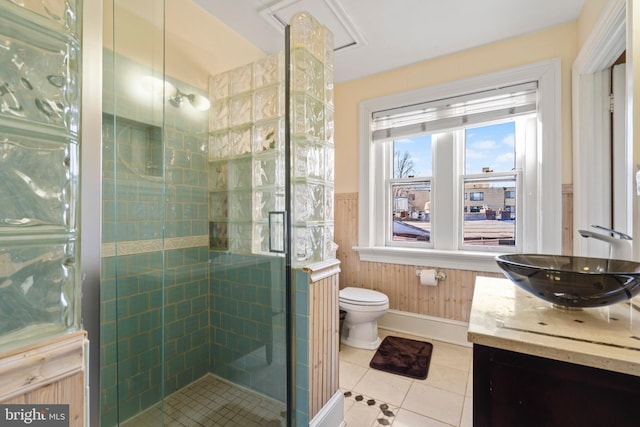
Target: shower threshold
212, 401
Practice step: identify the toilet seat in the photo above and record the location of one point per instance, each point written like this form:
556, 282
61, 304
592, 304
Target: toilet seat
362, 297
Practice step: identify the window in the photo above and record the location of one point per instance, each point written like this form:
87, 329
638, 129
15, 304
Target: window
476, 196
412, 162
488, 222
443, 169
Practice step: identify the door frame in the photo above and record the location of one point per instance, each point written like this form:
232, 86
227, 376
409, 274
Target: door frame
591, 125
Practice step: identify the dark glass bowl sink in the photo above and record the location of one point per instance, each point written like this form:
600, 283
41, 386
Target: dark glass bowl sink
571, 281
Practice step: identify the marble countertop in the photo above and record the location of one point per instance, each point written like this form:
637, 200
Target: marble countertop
506, 317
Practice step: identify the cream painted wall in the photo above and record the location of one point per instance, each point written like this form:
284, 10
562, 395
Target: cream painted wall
197, 43
558, 42
591, 12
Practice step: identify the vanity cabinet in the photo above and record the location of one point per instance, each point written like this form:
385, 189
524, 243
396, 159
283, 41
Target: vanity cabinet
515, 389
537, 365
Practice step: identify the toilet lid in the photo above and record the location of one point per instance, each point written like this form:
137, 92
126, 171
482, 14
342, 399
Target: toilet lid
363, 296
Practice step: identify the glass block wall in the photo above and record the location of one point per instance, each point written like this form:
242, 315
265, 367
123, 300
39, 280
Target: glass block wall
312, 176
312, 140
246, 154
246, 149
39, 165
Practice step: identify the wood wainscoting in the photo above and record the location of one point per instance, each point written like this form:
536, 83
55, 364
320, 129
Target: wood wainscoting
324, 340
451, 299
50, 372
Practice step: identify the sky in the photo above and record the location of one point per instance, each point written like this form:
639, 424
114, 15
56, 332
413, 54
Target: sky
488, 146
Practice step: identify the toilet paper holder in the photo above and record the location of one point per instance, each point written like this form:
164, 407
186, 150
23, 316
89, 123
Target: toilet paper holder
440, 275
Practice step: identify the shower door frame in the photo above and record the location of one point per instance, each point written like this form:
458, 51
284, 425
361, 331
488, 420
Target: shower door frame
91, 196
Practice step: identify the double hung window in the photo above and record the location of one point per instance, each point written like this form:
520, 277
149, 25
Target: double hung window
458, 174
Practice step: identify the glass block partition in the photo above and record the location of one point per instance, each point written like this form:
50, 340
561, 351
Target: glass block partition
246, 154
246, 149
39, 164
311, 140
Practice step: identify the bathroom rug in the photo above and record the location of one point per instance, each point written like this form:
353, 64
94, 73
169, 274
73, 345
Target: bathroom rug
403, 356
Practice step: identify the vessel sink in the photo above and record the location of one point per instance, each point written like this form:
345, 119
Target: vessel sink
572, 281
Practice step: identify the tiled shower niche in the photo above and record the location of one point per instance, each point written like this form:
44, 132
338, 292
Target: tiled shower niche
246, 150
140, 149
39, 164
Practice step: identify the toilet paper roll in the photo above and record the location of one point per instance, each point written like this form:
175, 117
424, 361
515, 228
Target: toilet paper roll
428, 278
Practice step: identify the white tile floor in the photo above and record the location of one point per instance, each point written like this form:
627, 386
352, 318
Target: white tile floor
375, 398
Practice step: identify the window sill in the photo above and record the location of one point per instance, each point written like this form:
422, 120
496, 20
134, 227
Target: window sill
458, 260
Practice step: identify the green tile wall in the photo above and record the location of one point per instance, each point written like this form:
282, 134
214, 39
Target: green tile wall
247, 336
300, 282
135, 306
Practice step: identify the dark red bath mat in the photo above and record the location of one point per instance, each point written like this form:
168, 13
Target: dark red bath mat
403, 356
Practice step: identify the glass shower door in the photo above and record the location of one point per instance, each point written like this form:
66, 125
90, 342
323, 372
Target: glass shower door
133, 291
247, 238
193, 295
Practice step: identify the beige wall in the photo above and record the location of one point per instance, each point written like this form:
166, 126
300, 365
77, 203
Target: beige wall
558, 42
197, 44
589, 16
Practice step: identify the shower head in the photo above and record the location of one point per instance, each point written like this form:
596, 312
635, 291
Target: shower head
175, 96
198, 102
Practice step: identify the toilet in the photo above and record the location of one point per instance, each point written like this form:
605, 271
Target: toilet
364, 307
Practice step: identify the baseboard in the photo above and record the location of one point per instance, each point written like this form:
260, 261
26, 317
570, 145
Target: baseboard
451, 331
331, 414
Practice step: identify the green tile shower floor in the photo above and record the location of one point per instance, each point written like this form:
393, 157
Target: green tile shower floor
212, 401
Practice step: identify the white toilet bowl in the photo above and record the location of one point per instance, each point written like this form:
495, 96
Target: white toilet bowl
364, 307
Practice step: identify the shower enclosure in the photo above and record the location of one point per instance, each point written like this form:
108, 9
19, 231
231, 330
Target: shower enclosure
197, 240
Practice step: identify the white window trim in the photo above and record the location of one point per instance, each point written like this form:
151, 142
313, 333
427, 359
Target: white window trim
548, 221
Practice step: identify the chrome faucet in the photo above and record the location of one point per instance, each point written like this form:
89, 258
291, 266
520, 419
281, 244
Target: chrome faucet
619, 242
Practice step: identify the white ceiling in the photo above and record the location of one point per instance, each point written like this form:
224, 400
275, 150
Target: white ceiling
396, 33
